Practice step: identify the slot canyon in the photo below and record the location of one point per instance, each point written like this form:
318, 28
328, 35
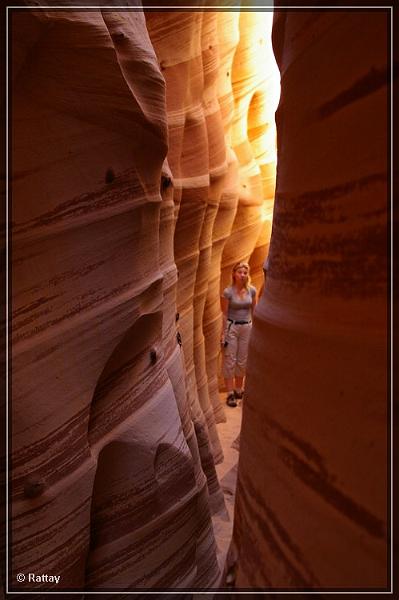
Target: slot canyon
150, 151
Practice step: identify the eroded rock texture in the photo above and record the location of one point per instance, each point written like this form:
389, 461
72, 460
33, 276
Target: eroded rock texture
255, 88
197, 161
248, 92
108, 488
218, 83
312, 489
140, 142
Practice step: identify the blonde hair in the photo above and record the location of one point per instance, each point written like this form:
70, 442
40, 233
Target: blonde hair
239, 265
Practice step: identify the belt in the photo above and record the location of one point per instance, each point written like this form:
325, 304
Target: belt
239, 322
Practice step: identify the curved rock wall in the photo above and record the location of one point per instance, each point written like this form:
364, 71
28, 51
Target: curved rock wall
108, 489
228, 37
255, 87
312, 490
143, 167
261, 130
196, 158
255, 90
228, 85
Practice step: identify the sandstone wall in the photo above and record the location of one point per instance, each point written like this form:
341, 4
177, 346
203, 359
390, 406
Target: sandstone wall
130, 157
228, 38
312, 489
188, 57
255, 83
108, 487
248, 91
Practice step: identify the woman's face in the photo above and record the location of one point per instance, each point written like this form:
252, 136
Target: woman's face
241, 275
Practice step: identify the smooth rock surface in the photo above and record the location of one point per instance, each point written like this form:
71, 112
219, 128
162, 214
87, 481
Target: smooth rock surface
108, 487
312, 485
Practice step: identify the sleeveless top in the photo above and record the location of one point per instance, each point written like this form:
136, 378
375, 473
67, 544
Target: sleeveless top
239, 307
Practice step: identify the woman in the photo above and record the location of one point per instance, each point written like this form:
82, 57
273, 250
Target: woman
238, 302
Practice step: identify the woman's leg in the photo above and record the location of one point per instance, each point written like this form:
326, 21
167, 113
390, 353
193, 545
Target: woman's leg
229, 363
229, 384
239, 383
242, 354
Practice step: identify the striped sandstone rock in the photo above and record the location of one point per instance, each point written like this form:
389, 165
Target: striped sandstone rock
108, 489
312, 486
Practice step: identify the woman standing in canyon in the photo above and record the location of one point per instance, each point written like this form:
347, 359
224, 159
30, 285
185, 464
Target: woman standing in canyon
237, 302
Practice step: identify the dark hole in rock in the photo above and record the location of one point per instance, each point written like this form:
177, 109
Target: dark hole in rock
165, 182
32, 488
109, 176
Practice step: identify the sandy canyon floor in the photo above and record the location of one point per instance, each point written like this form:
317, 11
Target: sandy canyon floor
227, 475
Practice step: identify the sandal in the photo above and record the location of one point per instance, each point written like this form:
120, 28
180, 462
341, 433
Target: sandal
231, 400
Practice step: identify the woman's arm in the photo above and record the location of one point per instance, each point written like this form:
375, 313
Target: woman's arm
224, 304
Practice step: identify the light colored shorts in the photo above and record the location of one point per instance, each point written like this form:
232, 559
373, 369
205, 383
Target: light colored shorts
236, 351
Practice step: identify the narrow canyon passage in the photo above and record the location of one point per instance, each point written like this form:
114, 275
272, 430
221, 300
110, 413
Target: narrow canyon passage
144, 147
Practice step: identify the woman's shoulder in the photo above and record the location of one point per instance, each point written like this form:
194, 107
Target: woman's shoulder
227, 292
252, 290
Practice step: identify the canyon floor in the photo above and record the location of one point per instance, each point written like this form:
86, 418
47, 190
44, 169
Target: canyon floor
227, 474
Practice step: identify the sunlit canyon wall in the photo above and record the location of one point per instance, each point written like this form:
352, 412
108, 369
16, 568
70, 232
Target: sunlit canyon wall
312, 492
136, 150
